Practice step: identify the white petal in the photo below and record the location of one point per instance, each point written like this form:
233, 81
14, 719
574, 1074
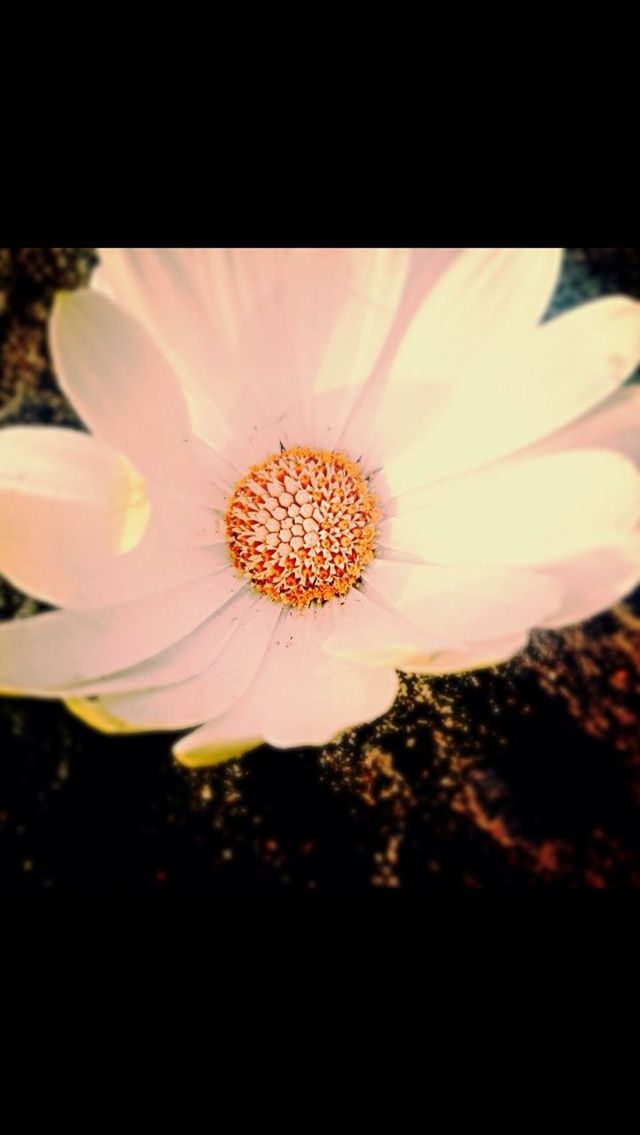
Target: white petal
185, 659
388, 422
405, 612
455, 606
306, 696
168, 290
340, 696
387, 413
614, 424
321, 329
508, 400
235, 284
142, 573
527, 511
123, 388
166, 555
69, 508
65, 648
276, 320
209, 692
595, 581
427, 268
366, 316
487, 295
219, 475
301, 696
491, 652
79, 528
371, 632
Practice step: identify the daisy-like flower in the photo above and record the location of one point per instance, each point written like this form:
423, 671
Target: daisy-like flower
307, 470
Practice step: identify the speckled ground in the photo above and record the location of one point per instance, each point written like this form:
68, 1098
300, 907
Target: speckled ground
519, 778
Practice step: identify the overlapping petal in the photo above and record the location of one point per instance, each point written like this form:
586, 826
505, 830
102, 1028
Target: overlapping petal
124, 389
321, 329
67, 648
507, 399
301, 696
478, 655
210, 691
253, 333
488, 297
613, 424
70, 508
524, 511
187, 658
167, 291
595, 581
309, 696
407, 609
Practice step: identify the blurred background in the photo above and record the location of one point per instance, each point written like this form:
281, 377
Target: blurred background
518, 778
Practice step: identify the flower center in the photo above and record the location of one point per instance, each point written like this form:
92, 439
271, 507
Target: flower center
302, 525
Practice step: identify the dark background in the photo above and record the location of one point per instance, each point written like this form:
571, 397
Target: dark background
519, 778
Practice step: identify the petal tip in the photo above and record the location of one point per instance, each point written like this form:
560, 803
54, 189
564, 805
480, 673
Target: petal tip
208, 755
94, 715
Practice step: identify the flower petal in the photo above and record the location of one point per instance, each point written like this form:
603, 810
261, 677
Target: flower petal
187, 658
215, 742
166, 290
595, 581
321, 329
487, 294
387, 422
274, 321
505, 401
210, 691
521, 511
614, 424
123, 388
79, 527
386, 416
219, 740
235, 283
93, 714
308, 697
491, 652
406, 609
66, 648
301, 696
371, 632
366, 316
196, 303
69, 508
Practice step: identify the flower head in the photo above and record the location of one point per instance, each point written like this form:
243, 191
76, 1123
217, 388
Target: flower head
306, 470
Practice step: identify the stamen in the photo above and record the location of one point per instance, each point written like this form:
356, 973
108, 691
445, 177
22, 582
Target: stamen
302, 525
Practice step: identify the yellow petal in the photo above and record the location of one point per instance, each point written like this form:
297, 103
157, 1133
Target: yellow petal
93, 714
204, 756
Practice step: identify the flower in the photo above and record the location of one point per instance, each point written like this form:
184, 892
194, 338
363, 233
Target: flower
307, 470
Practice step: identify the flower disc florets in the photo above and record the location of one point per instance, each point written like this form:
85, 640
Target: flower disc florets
302, 525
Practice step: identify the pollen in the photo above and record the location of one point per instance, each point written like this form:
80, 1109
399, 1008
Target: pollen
302, 525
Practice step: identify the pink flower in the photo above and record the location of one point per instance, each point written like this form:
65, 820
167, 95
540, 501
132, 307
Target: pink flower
307, 470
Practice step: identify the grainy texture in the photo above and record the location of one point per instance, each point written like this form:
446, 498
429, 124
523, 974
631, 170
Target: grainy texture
522, 777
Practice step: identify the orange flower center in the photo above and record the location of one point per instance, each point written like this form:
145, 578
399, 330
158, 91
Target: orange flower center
301, 526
